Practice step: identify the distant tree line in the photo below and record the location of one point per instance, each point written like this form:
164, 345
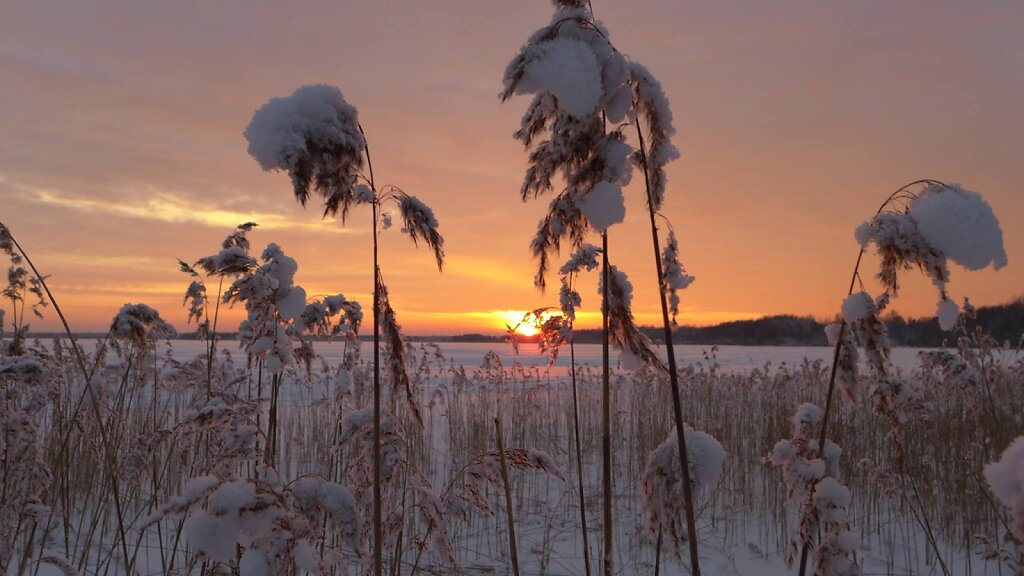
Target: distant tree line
1004, 323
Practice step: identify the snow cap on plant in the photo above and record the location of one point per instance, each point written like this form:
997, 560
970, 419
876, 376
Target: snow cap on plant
140, 324
941, 223
651, 104
314, 136
580, 81
604, 206
960, 224
230, 261
662, 484
568, 70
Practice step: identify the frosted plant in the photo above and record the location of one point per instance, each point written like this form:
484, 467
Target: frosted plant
847, 360
634, 347
394, 345
437, 510
892, 396
484, 469
196, 299
357, 430
141, 325
836, 552
581, 84
813, 484
1005, 478
279, 319
553, 330
264, 526
272, 302
940, 223
970, 370
331, 317
674, 277
662, 488
923, 230
583, 259
314, 135
578, 79
112, 482
25, 390
232, 260
23, 290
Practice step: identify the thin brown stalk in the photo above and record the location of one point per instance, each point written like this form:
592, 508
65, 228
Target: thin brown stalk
213, 341
378, 534
513, 554
673, 373
579, 457
606, 417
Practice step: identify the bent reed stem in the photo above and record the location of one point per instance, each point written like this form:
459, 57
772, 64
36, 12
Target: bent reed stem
673, 373
87, 376
839, 345
378, 533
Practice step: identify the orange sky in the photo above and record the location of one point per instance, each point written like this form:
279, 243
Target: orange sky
121, 145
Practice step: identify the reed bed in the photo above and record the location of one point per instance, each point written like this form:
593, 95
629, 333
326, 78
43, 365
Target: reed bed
149, 402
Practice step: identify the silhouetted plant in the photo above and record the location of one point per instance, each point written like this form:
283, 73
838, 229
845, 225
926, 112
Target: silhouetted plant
314, 135
581, 84
921, 229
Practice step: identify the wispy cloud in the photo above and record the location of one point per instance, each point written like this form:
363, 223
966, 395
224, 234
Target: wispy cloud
64, 259
173, 209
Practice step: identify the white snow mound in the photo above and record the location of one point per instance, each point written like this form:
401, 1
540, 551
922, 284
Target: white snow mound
960, 224
603, 205
568, 70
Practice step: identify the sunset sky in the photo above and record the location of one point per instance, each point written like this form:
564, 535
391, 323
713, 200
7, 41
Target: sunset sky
121, 145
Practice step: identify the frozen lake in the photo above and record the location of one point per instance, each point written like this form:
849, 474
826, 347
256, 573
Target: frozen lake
471, 355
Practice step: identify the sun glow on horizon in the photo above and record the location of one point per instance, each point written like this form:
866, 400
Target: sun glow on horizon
512, 320
518, 322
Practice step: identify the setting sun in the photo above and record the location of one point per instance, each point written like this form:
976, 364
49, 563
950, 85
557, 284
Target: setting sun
513, 319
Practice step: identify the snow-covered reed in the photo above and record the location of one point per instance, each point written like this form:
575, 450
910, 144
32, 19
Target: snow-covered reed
169, 436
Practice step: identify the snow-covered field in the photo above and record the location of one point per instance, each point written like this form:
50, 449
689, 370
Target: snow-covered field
471, 355
745, 522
